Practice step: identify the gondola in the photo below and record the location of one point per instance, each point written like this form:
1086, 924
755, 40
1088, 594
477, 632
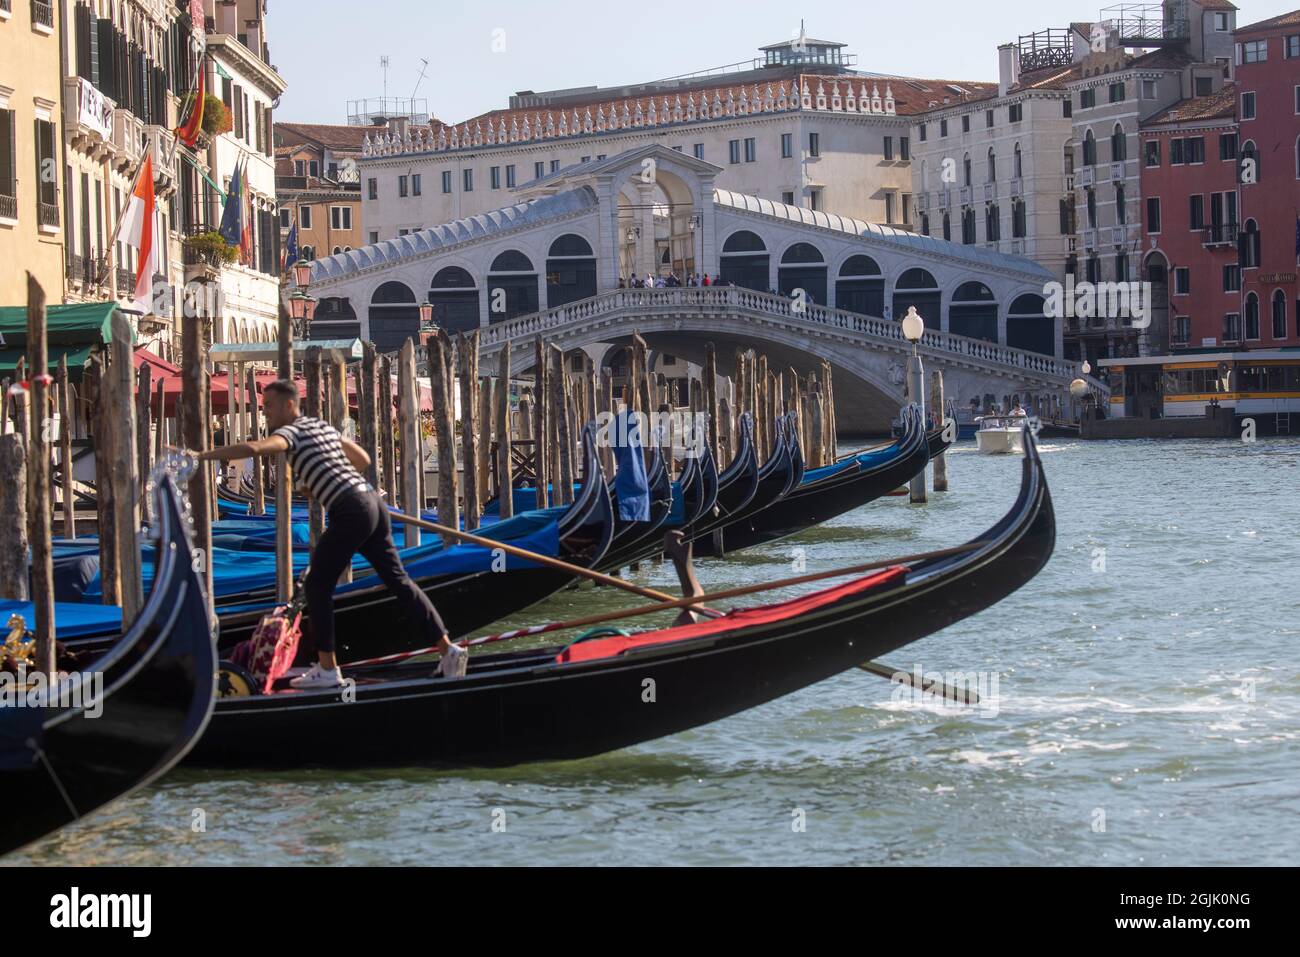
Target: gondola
775, 478
631, 537
869, 477
936, 443
369, 622
587, 697
58, 765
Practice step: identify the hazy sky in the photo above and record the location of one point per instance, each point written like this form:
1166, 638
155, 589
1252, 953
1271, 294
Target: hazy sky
481, 52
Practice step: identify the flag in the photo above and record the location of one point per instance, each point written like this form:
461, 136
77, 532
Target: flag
246, 234
136, 230
290, 248
232, 226
188, 132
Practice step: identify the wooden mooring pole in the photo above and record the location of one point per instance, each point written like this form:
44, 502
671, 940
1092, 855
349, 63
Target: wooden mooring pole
936, 403
408, 419
64, 386
122, 471
441, 369
194, 355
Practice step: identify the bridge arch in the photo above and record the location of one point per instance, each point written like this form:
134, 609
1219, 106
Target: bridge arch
918, 287
1028, 325
860, 286
512, 286
973, 311
745, 261
393, 316
570, 270
803, 267
453, 293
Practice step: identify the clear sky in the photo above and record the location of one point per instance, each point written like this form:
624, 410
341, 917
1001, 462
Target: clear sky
481, 52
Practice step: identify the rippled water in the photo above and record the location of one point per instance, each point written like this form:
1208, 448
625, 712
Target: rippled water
1147, 712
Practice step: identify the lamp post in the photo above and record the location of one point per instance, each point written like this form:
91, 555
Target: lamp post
302, 307
913, 329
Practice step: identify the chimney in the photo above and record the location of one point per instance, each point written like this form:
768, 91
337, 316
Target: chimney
1008, 67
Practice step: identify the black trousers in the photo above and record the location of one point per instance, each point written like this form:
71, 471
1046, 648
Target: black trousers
358, 522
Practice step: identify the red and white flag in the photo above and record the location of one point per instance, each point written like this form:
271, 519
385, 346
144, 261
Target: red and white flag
137, 230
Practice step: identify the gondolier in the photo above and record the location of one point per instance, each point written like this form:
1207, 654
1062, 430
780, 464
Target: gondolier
329, 467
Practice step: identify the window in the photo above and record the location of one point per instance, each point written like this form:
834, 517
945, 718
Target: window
815, 199
889, 147
1153, 214
467, 180
1252, 316
733, 151
1019, 225
47, 196
907, 209
697, 149
1152, 153
889, 207
1067, 107
1176, 153
966, 170
313, 168
1232, 327
1248, 106
374, 236
992, 166
1204, 85
1279, 314
905, 146
788, 197
947, 227
1196, 149
1250, 246
1149, 91
787, 145
372, 188
943, 129
1092, 269
1182, 329
992, 222
1091, 195
1118, 145
751, 150
1291, 47
968, 226
1232, 278
403, 186
539, 169
1196, 212
510, 176
555, 166
8, 165
814, 144
1182, 281
1065, 210
1089, 149
988, 119
494, 177
922, 134
299, 168
341, 217
1220, 23
446, 181
1016, 112
304, 217
1121, 266
1121, 208
1228, 146
415, 184
1117, 92
1087, 98
965, 123
1253, 51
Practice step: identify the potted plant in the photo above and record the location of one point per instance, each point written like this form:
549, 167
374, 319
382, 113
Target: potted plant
209, 248
216, 118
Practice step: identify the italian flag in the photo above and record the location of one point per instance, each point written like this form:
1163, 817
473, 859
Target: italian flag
137, 231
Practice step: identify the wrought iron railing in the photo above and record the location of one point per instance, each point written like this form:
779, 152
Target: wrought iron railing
43, 13
8, 206
48, 214
1219, 234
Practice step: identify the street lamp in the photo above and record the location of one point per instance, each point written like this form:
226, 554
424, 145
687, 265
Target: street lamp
426, 313
302, 274
913, 330
302, 308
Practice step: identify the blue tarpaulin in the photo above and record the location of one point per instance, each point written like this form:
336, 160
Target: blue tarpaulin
630, 483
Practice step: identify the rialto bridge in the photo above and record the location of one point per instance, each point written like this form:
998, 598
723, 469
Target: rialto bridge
797, 284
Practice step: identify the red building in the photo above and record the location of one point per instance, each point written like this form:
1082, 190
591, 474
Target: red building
1268, 107
1190, 220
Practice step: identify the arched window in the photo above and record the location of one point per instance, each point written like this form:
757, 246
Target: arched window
1091, 195
454, 297
917, 287
335, 319
993, 166
1251, 246
1118, 145
860, 287
744, 261
1017, 167
947, 226
1279, 314
512, 286
974, 312
1029, 326
925, 224
803, 267
337, 250
570, 271
1121, 211
394, 316
992, 222
1089, 149
1252, 316
1250, 157
965, 166
308, 253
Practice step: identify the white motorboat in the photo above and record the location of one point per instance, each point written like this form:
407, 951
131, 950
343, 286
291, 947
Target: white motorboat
1000, 434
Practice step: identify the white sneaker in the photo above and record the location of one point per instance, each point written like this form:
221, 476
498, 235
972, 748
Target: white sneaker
318, 677
454, 662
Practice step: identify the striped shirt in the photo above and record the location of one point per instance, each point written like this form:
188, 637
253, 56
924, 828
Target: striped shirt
316, 457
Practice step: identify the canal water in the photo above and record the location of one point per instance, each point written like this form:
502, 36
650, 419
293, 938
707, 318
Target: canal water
1146, 711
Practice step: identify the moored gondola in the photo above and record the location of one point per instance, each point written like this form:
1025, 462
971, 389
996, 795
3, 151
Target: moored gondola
866, 479
588, 697
137, 710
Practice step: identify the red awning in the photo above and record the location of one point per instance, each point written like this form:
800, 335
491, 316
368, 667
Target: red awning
158, 366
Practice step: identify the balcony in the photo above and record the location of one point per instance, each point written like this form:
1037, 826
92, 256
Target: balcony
42, 16
128, 138
87, 118
1117, 172
945, 198
47, 216
1118, 235
125, 282
1068, 183
923, 202
158, 140
1090, 239
1085, 177
1017, 188
8, 206
1219, 234
990, 192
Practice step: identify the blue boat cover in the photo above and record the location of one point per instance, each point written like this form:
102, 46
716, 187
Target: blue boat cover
71, 620
630, 482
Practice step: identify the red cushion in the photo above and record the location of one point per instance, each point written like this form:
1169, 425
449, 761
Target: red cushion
744, 618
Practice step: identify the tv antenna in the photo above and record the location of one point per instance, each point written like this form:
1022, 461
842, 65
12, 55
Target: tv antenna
424, 68
383, 65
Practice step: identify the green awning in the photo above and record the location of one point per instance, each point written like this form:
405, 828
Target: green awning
87, 323
77, 356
